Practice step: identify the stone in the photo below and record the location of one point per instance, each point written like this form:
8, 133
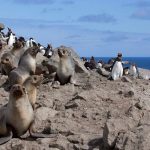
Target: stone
79, 66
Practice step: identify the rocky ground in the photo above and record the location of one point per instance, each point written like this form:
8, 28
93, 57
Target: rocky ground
98, 114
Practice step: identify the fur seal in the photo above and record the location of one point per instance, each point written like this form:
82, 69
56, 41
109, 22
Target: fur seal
66, 67
8, 63
26, 67
31, 86
18, 116
9, 60
117, 70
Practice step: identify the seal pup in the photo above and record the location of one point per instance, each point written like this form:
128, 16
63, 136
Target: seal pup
10, 60
66, 67
8, 63
31, 87
117, 70
18, 116
26, 67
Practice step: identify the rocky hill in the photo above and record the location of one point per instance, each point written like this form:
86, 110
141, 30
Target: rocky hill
98, 114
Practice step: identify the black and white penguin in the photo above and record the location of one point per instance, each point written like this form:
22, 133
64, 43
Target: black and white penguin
117, 70
48, 51
29, 43
11, 40
133, 71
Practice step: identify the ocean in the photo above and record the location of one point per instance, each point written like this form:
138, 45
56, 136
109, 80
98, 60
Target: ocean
141, 62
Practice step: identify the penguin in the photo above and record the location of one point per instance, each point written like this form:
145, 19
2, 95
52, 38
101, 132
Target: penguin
117, 70
133, 71
100, 64
42, 49
48, 51
11, 40
29, 43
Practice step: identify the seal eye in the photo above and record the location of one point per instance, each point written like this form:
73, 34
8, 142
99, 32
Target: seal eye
35, 78
7, 59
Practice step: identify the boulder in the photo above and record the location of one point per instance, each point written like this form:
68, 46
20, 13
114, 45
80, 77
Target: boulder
114, 128
79, 65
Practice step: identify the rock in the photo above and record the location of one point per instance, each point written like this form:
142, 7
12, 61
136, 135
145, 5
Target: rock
75, 139
79, 66
145, 103
138, 138
80, 147
57, 105
144, 73
46, 140
108, 115
113, 128
144, 120
71, 104
56, 85
61, 143
44, 113
126, 79
42, 122
103, 72
129, 94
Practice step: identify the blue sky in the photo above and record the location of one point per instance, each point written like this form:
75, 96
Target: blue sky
91, 27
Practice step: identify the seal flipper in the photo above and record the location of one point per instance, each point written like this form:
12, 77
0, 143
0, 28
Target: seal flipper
6, 138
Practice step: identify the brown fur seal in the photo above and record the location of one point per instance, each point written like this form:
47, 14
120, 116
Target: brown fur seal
66, 67
8, 63
18, 116
26, 67
31, 86
9, 60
